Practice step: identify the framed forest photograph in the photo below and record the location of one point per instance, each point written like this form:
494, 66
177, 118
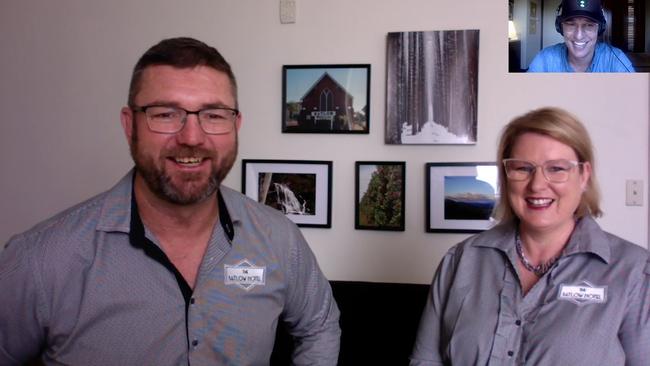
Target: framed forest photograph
460, 196
379, 195
432, 87
326, 98
301, 189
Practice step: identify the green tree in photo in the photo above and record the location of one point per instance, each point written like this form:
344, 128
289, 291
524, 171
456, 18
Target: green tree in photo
381, 205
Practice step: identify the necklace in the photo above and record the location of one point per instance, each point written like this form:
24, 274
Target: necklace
540, 269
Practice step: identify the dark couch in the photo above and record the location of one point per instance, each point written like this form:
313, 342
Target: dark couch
379, 322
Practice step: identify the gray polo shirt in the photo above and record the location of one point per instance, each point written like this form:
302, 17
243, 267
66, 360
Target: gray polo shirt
85, 289
591, 308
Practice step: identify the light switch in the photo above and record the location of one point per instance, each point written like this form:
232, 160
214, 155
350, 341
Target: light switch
634, 192
287, 11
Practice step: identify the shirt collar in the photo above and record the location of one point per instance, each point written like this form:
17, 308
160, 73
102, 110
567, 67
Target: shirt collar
117, 207
587, 237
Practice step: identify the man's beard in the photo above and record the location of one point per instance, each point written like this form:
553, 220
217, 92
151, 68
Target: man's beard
193, 188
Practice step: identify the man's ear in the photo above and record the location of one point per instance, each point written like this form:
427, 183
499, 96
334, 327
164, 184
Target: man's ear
238, 121
126, 118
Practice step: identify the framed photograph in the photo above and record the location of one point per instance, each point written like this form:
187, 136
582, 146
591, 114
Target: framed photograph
379, 195
301, 189
460, 196
326, 98
533, 9
432, 87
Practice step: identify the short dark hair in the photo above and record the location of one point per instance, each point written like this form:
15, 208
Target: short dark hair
180, 52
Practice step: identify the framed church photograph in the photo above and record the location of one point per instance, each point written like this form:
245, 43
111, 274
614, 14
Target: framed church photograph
326, 98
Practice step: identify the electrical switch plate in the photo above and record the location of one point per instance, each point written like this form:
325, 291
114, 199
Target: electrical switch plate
287, 11
634, 192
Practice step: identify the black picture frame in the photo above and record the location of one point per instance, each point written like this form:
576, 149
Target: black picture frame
460, 197
326, 98
302, 188
379, 195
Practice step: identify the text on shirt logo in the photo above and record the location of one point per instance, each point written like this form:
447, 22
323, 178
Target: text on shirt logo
583, 293
244, 274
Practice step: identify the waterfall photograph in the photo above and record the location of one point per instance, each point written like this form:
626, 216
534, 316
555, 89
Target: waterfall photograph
293, 194
432, 87
300, 189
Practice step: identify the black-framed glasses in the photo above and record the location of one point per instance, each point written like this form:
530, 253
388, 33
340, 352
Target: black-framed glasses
168, 119
554, 171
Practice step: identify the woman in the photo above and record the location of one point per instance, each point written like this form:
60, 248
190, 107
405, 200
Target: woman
546, 286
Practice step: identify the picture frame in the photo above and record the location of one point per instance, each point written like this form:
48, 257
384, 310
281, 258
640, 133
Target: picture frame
379, 195
460, 197
432, 87
326, 98
301, 189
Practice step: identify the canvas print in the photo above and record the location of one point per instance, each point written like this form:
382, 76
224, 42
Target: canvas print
326, 98
432, 87
380, 195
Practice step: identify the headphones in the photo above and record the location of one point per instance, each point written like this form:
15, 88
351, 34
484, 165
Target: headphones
558, 20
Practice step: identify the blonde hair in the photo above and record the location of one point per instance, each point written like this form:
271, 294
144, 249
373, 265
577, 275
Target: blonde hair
563, 127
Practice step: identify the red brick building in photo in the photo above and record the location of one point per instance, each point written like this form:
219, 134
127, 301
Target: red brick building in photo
326, 106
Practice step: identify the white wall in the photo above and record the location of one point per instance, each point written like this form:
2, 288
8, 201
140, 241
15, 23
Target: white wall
550, 36
65, 67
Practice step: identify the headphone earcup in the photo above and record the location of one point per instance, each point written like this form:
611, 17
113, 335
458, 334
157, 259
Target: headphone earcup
602, 25
558, 25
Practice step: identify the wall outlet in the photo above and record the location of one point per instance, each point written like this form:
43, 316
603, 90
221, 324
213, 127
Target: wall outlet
634, 192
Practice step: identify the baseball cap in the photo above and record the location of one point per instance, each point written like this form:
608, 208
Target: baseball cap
591, 9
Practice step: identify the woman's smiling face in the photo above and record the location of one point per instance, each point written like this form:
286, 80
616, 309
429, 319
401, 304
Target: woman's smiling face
539, 204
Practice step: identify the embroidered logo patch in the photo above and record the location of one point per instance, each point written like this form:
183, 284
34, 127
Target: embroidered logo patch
245, 275
583, 293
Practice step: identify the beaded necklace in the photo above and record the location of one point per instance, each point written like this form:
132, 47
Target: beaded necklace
540, 269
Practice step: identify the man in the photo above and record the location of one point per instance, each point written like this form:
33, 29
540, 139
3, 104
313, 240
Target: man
580, 22
168, 267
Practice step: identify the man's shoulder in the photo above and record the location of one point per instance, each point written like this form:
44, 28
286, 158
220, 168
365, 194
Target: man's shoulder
83, 218
69, 222
613, 59
549, 59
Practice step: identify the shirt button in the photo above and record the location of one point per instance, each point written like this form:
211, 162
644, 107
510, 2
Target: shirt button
518, 322
192, 301
195, 343
510, 353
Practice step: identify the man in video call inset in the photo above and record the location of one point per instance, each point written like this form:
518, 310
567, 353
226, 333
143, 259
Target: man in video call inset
580, 22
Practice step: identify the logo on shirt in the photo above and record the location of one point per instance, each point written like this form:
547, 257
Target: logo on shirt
583, 293
244, 274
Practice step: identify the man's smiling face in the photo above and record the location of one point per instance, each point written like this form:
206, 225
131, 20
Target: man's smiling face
580, 37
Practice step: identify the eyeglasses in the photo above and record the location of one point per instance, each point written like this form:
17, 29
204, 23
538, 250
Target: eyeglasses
572, 26
167, 119
555, 171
